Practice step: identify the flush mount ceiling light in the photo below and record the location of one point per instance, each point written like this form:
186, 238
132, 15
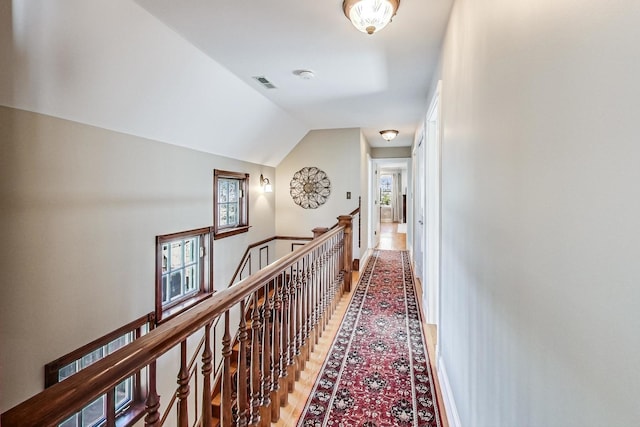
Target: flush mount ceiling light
388, 134
370, 16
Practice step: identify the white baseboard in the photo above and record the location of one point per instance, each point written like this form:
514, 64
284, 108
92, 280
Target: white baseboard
365, 258
447, 395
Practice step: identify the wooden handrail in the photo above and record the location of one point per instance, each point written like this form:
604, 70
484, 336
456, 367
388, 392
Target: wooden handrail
51, 369
255, 245
353, 213
61, 400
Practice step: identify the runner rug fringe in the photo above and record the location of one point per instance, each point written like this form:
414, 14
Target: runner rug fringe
377, 372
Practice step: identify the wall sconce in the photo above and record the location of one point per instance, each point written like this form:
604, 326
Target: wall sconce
266, 185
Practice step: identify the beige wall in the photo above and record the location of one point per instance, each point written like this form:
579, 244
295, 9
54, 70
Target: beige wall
337, 152
81, 207
540, 216
70, 60
390, 152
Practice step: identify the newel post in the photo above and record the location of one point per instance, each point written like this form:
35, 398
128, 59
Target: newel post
319, 231
346, 221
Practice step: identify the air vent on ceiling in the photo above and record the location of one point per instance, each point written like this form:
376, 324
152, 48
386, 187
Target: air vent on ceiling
264, 82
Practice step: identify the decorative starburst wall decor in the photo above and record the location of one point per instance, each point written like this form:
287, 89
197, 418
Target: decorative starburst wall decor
310, 187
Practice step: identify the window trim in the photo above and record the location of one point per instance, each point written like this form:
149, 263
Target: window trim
243, 202
135, 410
205, 287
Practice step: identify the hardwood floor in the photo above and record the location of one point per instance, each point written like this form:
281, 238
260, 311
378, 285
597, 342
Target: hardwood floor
431, 338
390, 239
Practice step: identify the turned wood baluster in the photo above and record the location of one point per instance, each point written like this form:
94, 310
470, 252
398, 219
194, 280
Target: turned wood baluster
267, 357
183, 387
206, 370
316, 294
322, 283
304, 349
322, 280
243, 337
328, 279
309, 322
340, 260
293, 314
153, 399
335, 269
227, 378
284, 346
311, 285
327, 287
277, 353
298, 324
337, 256
331, 273
256, 374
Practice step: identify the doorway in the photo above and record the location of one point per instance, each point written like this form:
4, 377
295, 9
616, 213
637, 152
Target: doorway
433, 175
419, 208
389, 185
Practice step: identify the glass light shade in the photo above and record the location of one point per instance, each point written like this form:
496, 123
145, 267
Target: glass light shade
370, 16
389, 134
266, 184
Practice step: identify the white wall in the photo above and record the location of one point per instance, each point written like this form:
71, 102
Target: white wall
110, 63
81, 207
541, 207
338, 153
365, 153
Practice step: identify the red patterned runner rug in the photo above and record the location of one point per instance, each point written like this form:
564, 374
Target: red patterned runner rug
377, 372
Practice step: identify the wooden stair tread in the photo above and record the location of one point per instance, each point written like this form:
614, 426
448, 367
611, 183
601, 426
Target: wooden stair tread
217, 399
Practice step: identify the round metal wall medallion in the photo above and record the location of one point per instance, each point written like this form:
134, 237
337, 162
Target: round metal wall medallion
310, 187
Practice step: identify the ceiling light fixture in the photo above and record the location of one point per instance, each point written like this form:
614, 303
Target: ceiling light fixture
370, 16
389, 134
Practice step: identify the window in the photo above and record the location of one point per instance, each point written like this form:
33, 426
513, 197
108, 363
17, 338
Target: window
183, 271
128, 404
231, 203
385, 189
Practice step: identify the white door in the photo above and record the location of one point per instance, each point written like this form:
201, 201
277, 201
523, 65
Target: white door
374, 212
431, 288
419, 208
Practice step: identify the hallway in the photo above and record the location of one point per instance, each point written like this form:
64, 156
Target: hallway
393, 236
390, 239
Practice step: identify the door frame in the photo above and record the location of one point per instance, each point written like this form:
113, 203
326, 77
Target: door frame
418, 247
433, 199
378, 164
374, 216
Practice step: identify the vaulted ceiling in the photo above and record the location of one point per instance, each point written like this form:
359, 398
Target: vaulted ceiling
373, 82
182, 72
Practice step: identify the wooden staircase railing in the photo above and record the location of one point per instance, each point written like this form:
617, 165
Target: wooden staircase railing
289, 301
